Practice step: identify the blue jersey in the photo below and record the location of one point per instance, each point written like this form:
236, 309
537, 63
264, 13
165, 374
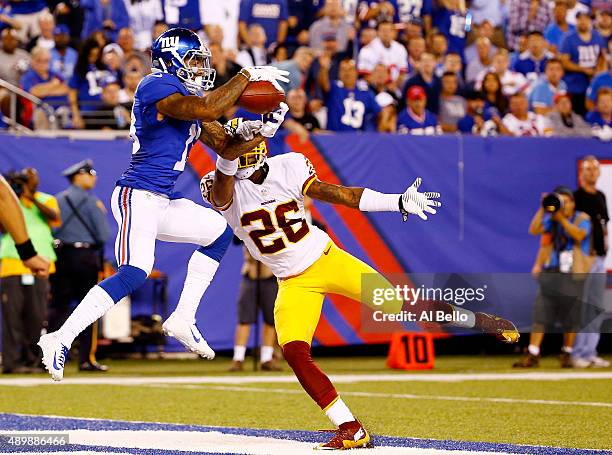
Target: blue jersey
595, 118
554, 35
600, 81
89, 88
183, 13
526, 64
543, 93
161, 147
32, 78
583, 53
408, 123
64, 64
27, 6
350, 109
466, 124
452, 25
267, 13
407, 10
585, 225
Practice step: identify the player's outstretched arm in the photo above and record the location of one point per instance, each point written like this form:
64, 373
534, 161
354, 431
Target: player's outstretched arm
367, 200
231, 146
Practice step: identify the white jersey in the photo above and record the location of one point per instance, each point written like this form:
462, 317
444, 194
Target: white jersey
270, 219
394, 57
534, 125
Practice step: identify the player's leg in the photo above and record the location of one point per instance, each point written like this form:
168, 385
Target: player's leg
187, 222
136, 214
268, 290
296, 315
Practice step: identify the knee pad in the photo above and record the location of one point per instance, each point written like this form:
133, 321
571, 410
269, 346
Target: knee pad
127, 279
218, 247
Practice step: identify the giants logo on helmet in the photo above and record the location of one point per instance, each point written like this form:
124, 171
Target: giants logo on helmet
169, 43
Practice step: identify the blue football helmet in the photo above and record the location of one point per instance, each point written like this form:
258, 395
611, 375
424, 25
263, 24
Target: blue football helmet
180, 52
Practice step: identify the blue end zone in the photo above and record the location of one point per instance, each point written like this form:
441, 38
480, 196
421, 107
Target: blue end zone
39, 423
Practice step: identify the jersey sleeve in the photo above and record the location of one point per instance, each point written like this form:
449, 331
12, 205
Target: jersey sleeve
159, 87
301, 172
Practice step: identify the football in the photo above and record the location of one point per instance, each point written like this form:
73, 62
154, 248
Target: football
261, 97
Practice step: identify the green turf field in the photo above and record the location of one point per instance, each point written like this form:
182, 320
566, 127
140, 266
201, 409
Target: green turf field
508, 410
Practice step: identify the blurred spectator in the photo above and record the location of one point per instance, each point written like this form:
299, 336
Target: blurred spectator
415, 118
373, 13
131, 79
109, 16
43, 83
297, 102
225, 68
476, 115
69, 13
298, 67
301, 16
280, 54
522, 47
15, 61
576, 7
600, 81
413, 29
494, 96
225, 15
541, 97
182, 13
453, 64
603, 23
452, 106
384, 49
111, 114
112, 59
378, 81
272, 15
254, 53
215, 35
63, 57
601, 118
25, 296
27, 14
481, 61
7, 19
136, 62
408, 12
581, 53
520, 121
351, 106
439, 48
426, 78
449, 19
127, 41
44, 39
86, 83
416, 48
484, 30
562, 121
158, 28
490, 11
330, 56
143, 15
366, 36
559, 26
524, 17
333, 21
533, 62
512, 82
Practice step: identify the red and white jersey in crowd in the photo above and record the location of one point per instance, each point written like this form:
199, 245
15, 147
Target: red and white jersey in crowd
534, 125
512, 81
270, 218
394, 57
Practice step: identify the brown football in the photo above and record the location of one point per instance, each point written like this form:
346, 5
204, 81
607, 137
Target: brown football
261, 97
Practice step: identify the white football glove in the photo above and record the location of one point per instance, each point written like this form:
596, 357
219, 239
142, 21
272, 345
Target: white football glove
267, 73
273, 120
248, 129
418, 203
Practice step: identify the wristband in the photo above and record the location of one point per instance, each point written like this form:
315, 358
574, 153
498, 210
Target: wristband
227, 167
373, 201
26, 250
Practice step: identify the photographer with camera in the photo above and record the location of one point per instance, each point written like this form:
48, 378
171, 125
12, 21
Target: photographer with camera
23, 290
561, 265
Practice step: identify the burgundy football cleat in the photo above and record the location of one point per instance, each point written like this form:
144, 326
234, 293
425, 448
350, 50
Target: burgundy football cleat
503, 329
350, 435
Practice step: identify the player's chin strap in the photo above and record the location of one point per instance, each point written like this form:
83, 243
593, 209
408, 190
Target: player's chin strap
247, 172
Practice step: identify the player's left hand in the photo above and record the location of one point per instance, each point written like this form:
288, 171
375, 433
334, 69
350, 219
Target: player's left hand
248, 129
273, 120
418, 203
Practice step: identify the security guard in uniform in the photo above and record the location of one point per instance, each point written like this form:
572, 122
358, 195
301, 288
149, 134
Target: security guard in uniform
80, 245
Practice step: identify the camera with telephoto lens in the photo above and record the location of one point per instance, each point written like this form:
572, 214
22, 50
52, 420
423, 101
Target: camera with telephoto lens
553, 202
18, 181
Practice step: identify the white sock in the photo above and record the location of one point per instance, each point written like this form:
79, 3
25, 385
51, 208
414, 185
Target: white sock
239, 353
200, 272
266, 353
95, 304
469, 323
339, 413
533, 349
567, 349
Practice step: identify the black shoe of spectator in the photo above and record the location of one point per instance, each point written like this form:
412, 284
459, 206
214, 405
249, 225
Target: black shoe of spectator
565, 359
93, 367
527, 361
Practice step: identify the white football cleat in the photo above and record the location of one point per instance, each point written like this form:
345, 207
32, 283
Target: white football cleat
54, 355
188, 335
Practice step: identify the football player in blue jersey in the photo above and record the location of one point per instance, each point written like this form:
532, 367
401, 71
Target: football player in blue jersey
168, 116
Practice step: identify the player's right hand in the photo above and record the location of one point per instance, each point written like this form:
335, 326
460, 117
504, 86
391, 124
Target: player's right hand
38, 265
267, 73
418, 203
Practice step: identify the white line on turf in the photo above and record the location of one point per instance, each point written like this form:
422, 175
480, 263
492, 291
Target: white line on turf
217, 442
409, 396
285, 379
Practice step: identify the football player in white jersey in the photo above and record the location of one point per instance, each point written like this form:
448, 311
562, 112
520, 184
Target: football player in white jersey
262, 200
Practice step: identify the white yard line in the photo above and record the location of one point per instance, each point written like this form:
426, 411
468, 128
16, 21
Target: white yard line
217, 442
286, 379
409, 396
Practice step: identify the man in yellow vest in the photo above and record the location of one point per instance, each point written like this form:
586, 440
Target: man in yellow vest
24, 295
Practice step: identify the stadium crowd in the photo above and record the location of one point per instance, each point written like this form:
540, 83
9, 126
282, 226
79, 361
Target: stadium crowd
423, 67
